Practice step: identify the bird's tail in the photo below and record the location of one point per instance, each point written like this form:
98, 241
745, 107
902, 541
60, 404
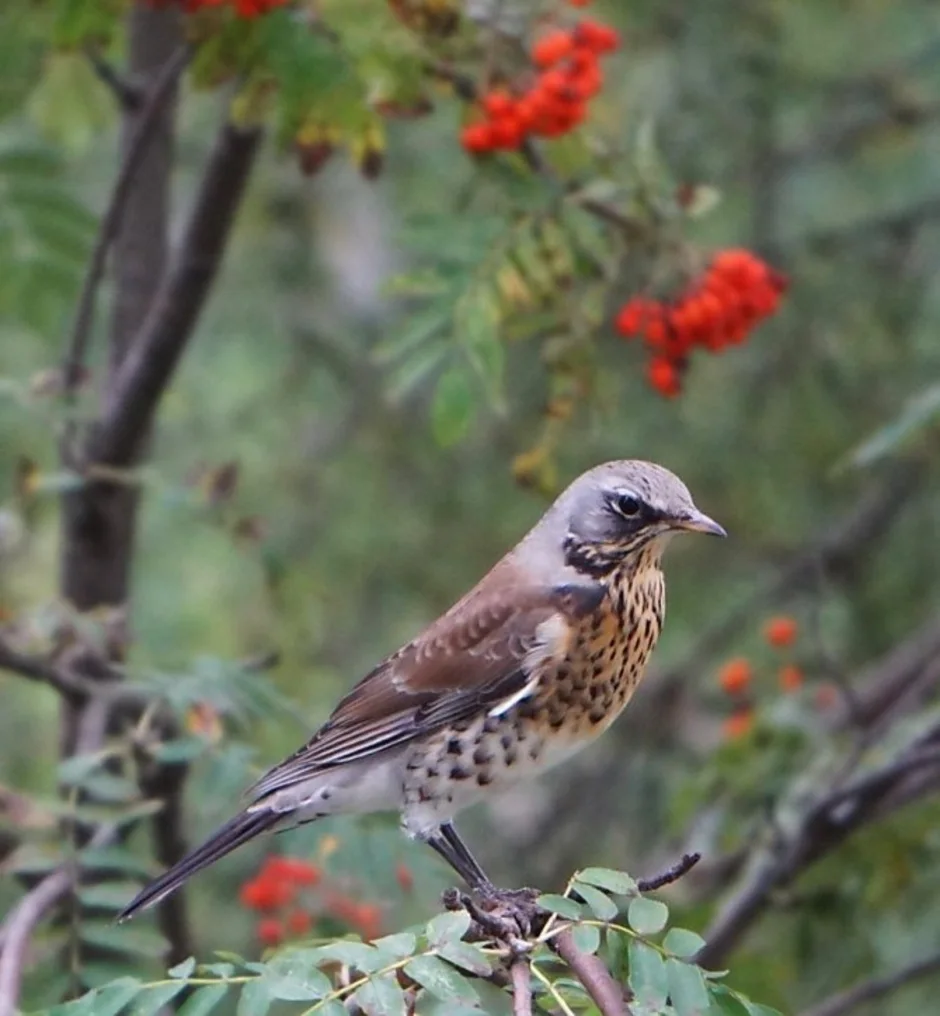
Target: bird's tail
234, 833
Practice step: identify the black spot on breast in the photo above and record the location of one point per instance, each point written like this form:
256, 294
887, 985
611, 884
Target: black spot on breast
454, 746
482, 755
507, 741
484, 779
460, 773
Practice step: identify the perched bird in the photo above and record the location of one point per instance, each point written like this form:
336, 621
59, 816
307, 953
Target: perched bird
530, 666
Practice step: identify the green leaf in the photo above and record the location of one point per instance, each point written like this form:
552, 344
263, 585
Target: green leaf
762, 1010
184, 969
467, 956
203, 1000
646, 917
682, 943
453, 407
561, 905
688, 989
918, 412
108, 895
113, 859
600, 903
648, 977
180, 749
451, 926
255, 999
440, 978
112, 998
83, 1006
396, 947
724, 1002
121, 938
294, 977
587, 937
357, 954
154, 997
381, 996
222, 970
604, 878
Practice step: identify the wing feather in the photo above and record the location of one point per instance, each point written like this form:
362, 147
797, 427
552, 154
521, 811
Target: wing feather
476, 656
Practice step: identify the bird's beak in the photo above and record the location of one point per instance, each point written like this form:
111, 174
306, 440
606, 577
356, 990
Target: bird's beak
698, 522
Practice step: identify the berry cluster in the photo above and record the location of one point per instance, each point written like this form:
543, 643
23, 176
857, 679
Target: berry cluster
737, 291
281, 893
736, 677
568, 76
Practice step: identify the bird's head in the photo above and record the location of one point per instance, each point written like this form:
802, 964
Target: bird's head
622, 508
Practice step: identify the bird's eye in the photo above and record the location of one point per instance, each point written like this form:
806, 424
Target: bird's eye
628, 506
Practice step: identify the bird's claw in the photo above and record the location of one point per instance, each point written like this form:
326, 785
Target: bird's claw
510, 915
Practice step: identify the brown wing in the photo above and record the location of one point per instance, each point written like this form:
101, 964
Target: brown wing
478, 654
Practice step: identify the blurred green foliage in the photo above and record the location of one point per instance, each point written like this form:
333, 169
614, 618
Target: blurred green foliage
356, 364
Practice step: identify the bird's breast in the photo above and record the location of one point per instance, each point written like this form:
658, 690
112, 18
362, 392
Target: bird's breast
607, 655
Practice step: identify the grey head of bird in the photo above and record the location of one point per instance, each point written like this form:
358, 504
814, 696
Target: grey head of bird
615, 511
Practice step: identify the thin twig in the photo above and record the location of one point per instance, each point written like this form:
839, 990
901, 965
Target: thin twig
592, 972
129, 96
867, 991
521, 987
682, 867
110, 224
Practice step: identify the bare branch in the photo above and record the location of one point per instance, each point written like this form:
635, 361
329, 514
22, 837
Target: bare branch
128, 95
592, 972
34, 668
682, 867
160, 94
823, 827
521, 987
867, 991
17, 930
152, 358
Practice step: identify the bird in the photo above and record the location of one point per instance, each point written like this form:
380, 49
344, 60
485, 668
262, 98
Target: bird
527, 668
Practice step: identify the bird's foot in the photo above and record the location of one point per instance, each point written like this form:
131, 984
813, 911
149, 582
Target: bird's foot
511, 915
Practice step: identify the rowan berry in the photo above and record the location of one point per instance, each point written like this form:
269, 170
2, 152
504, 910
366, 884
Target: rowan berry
780, 631
735, 676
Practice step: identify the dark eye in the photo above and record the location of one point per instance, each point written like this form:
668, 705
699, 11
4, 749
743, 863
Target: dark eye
628, 506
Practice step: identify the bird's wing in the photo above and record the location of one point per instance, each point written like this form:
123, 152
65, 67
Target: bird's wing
481, 654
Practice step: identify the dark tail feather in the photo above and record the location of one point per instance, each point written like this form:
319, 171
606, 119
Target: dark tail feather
225, 839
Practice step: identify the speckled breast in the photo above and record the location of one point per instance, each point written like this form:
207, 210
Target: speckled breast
607, 658
573, 704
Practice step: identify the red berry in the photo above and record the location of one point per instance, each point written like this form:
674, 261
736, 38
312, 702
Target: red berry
498, 103
735, 676
663, 375
552, 48
270, 931
477, 138
595, 36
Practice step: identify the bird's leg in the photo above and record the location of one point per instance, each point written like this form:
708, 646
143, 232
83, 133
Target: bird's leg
456, 853
507, 911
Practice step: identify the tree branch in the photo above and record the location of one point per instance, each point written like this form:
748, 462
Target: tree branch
591, 971
17, 929
159, 95
823, 827
33, 668
521, 987
867, 991
150, 361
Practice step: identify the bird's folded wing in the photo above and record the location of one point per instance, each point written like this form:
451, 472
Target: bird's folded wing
479, 654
